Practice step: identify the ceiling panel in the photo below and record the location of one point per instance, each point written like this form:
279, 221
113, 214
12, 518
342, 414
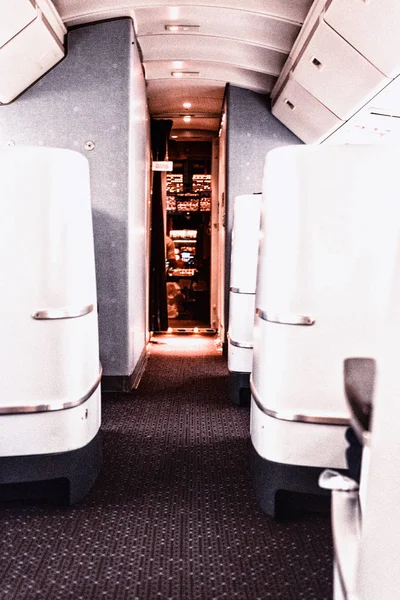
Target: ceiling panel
84, 11
197, 123
243, 42
219, 72
193, 134
257, 29
167, 96
212, 49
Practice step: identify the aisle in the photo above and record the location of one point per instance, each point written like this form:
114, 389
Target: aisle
172, 516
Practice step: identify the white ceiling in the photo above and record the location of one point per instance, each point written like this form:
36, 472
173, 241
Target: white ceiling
243, 42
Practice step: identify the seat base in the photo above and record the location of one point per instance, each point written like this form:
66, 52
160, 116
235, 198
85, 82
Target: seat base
65, 477
240, 388
282, 488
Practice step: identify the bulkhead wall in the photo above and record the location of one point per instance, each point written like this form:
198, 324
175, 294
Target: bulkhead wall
94, 102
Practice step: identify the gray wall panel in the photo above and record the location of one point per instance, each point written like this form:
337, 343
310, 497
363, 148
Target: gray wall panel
87, 97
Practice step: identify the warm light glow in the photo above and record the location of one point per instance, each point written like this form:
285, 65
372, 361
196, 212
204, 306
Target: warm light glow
187, 104
173, 12
179, 27
177, 64
174, 137
188, 74
187, 118
196, 330
169, 329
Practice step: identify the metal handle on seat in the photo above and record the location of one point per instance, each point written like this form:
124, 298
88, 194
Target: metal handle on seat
285, 318
50, 314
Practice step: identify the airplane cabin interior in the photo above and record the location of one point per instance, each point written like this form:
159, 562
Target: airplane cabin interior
200, 299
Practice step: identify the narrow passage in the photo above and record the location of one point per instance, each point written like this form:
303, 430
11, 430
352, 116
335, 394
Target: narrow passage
172, 515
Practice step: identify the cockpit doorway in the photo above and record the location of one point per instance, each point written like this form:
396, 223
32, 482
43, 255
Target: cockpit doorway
188, 231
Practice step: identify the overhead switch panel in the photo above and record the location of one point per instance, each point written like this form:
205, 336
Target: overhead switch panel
31, 38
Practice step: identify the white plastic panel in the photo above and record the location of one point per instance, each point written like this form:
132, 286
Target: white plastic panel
323, 207
245, 240
306, 30
241, 317
377, 122
212, 49
303, 114
138, 205
240, 360
27, 57
47, 263
256, 28
50, 432
336, 74
212, 71
12, 21
83, 11
304, 444
372, 27
368, 127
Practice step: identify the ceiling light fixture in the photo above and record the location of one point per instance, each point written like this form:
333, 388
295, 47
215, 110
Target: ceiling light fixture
185, 74
177, 27
187, 118
174, 12
187, 104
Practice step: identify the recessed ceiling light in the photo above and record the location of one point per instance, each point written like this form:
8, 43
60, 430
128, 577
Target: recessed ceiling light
187, 104
174, 27
174, 12
187, 118
183, 74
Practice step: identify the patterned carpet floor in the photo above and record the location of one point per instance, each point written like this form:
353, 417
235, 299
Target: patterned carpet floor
172, 515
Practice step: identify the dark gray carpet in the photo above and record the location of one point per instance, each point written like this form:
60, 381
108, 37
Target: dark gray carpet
172, 515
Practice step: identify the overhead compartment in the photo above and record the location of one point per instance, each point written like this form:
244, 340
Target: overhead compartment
336, 74
377, 122
31, 43
303, 114
301, 41
346, 53
372, 27
13, 21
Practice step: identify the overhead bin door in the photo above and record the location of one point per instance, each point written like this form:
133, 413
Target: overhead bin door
372, 27
336, 74
13, 21
303, 114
